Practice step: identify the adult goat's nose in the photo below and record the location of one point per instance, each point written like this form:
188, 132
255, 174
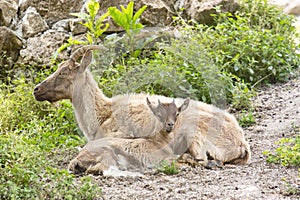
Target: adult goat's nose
36, 89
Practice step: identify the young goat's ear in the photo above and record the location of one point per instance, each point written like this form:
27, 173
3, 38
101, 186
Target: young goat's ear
85, 61
184, 106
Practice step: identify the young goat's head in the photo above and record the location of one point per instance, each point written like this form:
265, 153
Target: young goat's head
167, 113
60, 84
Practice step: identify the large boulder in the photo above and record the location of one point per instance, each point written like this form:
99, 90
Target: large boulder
32, 23
54, 10
158, 13
289, 6
40, 49
10, 45
8, 11
200, 11
293, 7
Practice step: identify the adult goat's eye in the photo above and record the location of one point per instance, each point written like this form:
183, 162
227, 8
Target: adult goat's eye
63, 73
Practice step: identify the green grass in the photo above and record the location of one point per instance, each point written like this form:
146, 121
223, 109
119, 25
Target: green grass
30, 132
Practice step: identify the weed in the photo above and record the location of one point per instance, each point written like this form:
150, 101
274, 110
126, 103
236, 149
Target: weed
95, 27
168, 168
288, 152
292, 190
246, 118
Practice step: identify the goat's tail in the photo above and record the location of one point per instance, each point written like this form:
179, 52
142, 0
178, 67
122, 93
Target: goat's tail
245, 156
82, 50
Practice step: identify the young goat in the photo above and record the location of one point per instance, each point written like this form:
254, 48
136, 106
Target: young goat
131, 154
203, 128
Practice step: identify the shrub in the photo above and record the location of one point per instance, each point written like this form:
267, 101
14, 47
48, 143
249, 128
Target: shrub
255, 43
220, 64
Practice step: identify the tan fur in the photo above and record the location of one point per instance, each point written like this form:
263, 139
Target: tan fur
216, 133
126, 154
202, 128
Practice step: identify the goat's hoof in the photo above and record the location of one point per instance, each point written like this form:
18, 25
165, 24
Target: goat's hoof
211, 164
75, 167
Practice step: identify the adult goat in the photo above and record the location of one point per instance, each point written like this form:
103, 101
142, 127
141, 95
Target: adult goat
203, 130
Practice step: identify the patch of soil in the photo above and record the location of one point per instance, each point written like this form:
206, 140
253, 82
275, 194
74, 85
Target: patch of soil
278, 113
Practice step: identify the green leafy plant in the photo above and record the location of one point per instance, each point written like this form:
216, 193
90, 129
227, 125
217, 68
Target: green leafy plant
241, 94
253, 43
130, 23
288, 152
168, 168
246, 118
95, 26
126, 19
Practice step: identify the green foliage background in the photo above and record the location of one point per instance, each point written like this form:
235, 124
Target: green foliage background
220, 64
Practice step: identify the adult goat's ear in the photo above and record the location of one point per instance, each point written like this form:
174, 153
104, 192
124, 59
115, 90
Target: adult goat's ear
185, 105
150, 105
85, 61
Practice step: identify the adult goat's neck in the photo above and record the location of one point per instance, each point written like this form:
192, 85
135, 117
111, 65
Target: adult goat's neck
91, 106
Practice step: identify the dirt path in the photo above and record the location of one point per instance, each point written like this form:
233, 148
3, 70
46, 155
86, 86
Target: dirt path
278, 109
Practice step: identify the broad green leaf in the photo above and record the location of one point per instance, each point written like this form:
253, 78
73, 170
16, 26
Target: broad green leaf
101, 31
138, 13
128, 12
105, 15
89, 38
93, 8
119, 18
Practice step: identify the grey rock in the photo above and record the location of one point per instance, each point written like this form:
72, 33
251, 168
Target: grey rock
8, 11
10, 45
62, 25
293, 7
32, 23
41, 49
54, 10
76, 28
201, 11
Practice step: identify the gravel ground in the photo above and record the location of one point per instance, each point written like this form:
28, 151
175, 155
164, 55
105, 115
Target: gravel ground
278, 113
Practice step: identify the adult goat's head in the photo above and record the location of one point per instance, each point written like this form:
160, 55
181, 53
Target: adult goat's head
60, 84
167, 113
